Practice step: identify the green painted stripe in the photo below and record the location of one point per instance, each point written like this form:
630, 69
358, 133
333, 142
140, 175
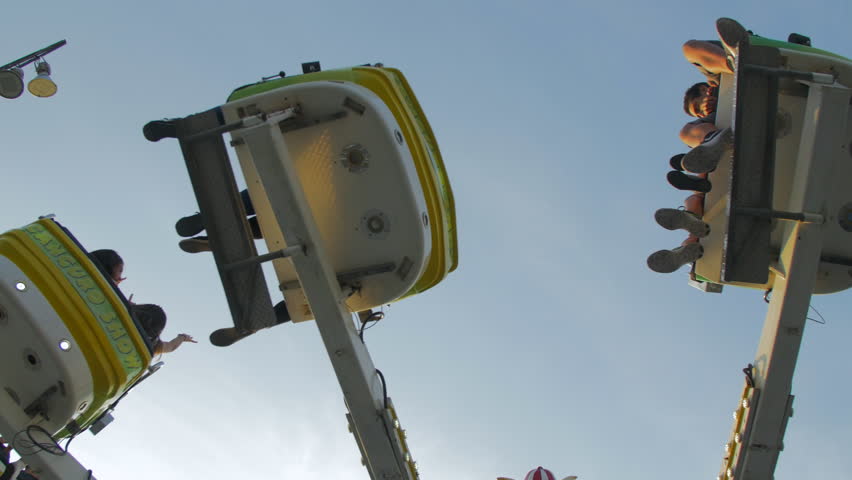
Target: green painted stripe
768, 42
342, 74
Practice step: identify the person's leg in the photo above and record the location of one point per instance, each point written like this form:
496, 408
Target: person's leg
675, 219
254, 226
202, 243
732, 34
690, 239
708, 57
195, 245
705, 157
694, 133
695, 204
247, 205
668, 261
281, 313
190, 225
230, 335
683, 181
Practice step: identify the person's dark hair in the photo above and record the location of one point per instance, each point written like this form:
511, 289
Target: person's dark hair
691, 94
152, 318
109, 259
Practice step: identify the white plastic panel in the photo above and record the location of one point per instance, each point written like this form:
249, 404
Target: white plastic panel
30, 336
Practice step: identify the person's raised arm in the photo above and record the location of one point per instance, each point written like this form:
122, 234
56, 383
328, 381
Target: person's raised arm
173, 344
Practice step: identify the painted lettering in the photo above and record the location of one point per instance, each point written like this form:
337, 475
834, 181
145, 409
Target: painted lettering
65, 260
34, 228
95, 296
76, 271
53, 247
132, 362
111, 321
124, 345
116, 330
86, 283
107, 317
42, 237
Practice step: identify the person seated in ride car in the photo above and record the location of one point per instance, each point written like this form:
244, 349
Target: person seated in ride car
111, 262
153, 320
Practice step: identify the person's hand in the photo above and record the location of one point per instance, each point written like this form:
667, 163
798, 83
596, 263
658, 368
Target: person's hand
707, 105
186, 338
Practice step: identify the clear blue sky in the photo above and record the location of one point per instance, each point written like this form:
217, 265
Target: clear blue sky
552, 344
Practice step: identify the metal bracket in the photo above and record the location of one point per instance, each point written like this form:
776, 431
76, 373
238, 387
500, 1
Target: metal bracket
803, 217
283, 253
349, 276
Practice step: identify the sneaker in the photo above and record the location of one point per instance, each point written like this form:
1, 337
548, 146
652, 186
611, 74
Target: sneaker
675, 162
195, 245
228, 336
189, 226
674, 219
159, 129
254, 226
281, 313
732, 34
683, 181
705, 157
668, 261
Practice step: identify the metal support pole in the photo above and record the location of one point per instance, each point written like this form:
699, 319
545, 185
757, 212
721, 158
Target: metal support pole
30, 58
361, 385
820, 148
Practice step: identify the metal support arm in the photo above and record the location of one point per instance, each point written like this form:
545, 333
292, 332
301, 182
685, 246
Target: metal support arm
358, 377
820, 148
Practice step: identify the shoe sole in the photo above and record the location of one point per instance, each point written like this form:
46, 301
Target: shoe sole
669, 261
675, 162
672, 219
228, 336
682, 181
189, 226
732, 34
194, 246
705, 157
159, 129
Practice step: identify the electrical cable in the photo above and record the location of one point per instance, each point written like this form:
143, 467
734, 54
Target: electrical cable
72, 437
373, 318
384, 388
821, 321
749, 374
34, 446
